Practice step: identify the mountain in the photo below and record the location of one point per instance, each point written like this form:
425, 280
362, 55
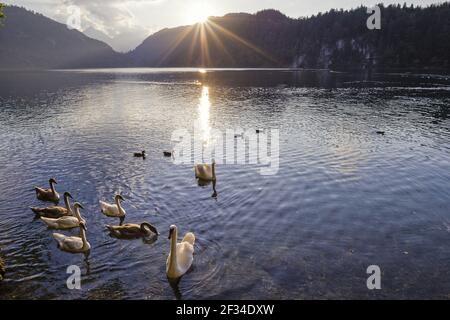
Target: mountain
31, 40
234, 40
410, 37
123, 42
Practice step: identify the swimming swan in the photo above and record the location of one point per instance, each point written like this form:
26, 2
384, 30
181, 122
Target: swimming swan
48, 194
205, 172
132, 230
114, 210
55, 211
66, 222
181, 254
73, 244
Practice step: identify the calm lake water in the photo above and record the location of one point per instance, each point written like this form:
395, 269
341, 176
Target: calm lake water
344, 197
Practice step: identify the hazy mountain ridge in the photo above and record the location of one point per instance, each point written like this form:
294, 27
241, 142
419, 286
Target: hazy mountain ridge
31, 40
410, 37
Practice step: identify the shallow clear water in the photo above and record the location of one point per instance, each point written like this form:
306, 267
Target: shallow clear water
344, 196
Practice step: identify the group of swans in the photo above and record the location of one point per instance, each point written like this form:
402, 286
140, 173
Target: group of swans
63, 218
181, 254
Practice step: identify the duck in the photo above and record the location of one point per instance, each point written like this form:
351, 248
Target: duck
50, 194
2, 269
133, 230
66, 222
73, 244
56, 211
205, 172
140, 154
181, 254
114, 210
167, 153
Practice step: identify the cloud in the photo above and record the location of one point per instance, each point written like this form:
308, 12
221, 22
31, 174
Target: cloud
111, 18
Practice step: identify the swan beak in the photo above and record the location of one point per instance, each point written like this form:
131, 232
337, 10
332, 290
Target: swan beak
69, 195
53, 181
80, 206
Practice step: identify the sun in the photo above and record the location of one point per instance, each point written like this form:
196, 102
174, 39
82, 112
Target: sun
199, 17
198, 14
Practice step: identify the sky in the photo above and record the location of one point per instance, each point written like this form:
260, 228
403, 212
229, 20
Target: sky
124, 24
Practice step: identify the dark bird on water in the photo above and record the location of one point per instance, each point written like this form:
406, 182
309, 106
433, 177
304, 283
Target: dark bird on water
167, 154
49, 194
140, 154
55, 211
132, 230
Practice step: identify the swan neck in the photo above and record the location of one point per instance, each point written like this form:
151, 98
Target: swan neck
77, 214
119, 206
67, 202
214, 170
173, 250
83, 236
52, 187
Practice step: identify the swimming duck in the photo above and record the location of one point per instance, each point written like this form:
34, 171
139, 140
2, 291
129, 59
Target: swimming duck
132, 230
114, 210
73, 244
140, 154
167, 153
48, 194
181, 254
66, 222
205, 172
55, 211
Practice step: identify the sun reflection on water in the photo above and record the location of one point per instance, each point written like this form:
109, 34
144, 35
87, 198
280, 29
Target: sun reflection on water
203, 111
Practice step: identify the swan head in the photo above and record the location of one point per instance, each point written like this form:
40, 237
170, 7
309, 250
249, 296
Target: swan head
148, 228
119, 197
171, 230
83, 225
68, 195
52, 180
77, 205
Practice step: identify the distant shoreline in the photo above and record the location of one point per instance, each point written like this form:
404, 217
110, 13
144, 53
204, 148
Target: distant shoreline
409, 71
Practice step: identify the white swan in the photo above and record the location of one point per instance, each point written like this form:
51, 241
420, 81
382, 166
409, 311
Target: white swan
181, 254
55, 211
113, 210
73, 244
48, 194
205, 172
66, 222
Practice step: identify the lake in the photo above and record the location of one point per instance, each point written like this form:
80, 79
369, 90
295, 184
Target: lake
344, 195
